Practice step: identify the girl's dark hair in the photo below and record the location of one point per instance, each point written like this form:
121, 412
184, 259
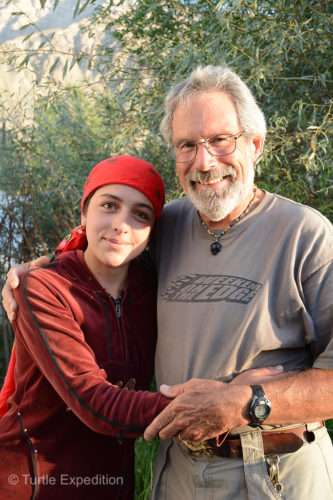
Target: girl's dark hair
87, 200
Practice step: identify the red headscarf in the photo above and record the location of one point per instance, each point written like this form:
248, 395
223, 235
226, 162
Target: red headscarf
130, 171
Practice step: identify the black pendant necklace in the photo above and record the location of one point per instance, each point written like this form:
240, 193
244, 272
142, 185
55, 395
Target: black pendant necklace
216, 246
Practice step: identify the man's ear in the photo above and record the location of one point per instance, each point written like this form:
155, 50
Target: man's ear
256, 147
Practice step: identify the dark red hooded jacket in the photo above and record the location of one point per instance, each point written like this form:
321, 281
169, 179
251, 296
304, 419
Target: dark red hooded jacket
68, 433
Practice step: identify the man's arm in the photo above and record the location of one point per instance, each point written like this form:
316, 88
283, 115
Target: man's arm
208, 408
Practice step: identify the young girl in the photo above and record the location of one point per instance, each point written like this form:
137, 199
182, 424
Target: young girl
85, 337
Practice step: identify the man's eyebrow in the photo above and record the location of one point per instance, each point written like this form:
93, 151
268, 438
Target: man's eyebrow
185, 139
117, 198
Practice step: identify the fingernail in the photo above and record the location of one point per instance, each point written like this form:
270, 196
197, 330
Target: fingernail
279, 368
165, 388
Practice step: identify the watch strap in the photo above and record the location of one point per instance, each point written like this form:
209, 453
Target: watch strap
258, 391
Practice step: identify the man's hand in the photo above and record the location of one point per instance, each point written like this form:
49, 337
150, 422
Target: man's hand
203, 409
13, 280
206, 408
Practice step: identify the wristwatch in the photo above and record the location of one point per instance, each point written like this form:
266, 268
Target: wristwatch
260, 406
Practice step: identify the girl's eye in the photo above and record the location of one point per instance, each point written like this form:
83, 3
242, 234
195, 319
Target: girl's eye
109, 205
142, 215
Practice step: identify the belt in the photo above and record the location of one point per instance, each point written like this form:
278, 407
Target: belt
275, 442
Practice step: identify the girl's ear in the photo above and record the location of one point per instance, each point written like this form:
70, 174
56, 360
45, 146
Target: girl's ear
83, 219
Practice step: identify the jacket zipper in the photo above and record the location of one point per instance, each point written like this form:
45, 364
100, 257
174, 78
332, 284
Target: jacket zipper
117, 304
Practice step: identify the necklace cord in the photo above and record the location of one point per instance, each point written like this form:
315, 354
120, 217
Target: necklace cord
216, 246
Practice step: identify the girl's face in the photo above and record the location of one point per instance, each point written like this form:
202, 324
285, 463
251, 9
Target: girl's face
118, 223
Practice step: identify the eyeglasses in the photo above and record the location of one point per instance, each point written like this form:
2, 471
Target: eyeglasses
216, 145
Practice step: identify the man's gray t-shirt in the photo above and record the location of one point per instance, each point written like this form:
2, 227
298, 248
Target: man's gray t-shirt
265, 299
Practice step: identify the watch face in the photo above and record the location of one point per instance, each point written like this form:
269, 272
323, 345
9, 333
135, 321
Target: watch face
260, 406
260, 411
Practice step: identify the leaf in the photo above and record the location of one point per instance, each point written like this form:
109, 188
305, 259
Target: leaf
24, 61
64, 72
27, 37
25, 26
74, 60
77, 8
87, 2
54, 65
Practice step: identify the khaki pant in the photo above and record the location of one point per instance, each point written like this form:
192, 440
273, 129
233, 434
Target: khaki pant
305, 474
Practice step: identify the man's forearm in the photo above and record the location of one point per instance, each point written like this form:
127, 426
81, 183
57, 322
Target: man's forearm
207, 408
305, 397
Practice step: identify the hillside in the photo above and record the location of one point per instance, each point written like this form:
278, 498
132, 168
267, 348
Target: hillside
16, 87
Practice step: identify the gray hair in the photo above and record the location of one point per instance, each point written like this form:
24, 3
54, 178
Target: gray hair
223, 79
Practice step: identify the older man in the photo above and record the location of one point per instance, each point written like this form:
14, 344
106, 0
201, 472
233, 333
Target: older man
245, 280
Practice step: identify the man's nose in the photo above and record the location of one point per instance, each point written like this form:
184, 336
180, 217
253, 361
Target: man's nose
203, 161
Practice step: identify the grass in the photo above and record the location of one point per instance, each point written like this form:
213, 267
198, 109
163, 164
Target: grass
329, 425
145, 453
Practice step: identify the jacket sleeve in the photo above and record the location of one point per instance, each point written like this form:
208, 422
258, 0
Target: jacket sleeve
56, 344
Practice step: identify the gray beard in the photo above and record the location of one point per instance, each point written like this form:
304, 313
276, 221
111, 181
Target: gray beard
217, 205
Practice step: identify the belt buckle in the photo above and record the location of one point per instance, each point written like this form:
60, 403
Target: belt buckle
197, 450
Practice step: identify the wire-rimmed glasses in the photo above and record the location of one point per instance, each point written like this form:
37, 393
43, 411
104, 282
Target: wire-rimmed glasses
217, 145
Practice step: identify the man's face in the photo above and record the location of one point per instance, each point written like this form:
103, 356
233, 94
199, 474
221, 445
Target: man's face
217, 186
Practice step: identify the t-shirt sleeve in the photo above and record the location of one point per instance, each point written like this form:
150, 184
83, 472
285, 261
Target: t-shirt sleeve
47, 328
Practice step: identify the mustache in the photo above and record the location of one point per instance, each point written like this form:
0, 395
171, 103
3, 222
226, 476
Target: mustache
199, 176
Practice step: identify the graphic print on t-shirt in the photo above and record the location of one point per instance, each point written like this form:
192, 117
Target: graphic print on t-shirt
211, 288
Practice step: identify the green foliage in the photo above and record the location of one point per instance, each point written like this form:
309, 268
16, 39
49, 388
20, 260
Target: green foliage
43, 170
145, 454
329, 425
